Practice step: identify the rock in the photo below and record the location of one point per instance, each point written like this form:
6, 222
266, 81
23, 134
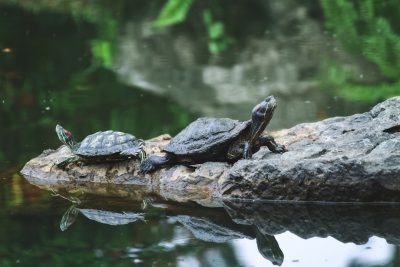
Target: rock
179, 183
354, 158
197, 183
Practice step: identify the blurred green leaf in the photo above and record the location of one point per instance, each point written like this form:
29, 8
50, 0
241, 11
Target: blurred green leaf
207, 17
216, 30
101, 51
218, 40
213, 47
174, 11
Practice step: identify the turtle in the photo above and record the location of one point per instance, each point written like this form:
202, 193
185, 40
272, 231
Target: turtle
106, 146
218, 139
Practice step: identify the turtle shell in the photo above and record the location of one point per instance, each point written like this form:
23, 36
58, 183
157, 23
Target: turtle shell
107, 143
206, 135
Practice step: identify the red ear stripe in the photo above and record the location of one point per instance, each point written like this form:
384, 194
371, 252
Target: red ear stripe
68, 133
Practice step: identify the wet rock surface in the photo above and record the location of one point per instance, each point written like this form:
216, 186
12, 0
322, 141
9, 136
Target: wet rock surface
354, 158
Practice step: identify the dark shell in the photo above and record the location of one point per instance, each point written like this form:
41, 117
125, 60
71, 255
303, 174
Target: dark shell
108, 143
205, 135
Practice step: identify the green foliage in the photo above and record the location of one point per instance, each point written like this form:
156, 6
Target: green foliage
176, 11
102, 47
104, 16
362, 28
340, 77
368, 29
369, 93
102, 53
173, 12
218, 40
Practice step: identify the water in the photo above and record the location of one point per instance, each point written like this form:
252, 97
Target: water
56, 67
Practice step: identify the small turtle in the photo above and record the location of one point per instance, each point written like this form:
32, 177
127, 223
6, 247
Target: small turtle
105, 146
218, 139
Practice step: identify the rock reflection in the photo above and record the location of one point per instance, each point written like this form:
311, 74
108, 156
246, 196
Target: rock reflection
236, 220
345, 222
245, 220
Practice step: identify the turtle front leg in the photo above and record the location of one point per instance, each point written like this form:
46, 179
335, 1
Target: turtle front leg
153, 163
247, 151
64, 163
269, 141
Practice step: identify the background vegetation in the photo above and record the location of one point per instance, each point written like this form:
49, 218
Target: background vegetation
369, 29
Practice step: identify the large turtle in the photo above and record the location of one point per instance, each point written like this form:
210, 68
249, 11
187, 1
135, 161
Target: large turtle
102, 147
218, 139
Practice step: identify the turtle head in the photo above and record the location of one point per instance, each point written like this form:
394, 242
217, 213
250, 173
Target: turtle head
261, 116
65, 136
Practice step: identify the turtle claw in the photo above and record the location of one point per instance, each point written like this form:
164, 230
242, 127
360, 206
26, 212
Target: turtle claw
62, 164
153, 163
146, 166
280, 149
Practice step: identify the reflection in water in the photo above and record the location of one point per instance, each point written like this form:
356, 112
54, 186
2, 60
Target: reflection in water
206, 229
330, 252
69, 217
269, 248
280, 233
213, 226
326, 252
163, 232
105, 217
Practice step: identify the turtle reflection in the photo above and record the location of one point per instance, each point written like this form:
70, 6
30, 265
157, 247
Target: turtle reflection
269, 248
101, 216
69, 217
212, 229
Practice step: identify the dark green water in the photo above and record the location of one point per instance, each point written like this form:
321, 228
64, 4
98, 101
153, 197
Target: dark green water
50, 73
